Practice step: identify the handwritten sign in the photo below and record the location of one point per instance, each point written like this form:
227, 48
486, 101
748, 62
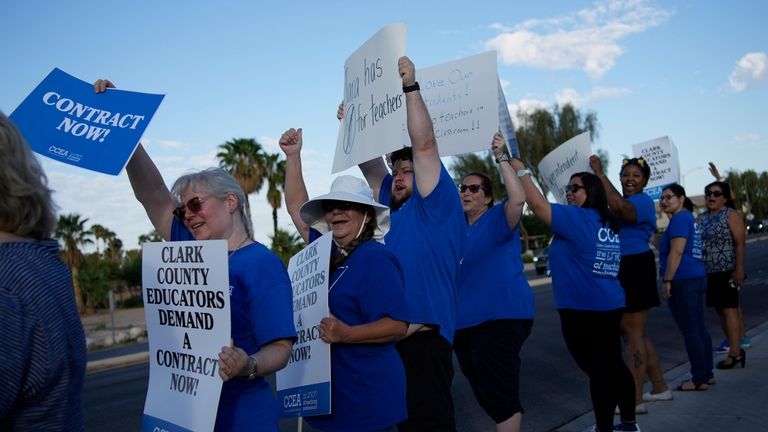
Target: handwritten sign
304, 386
374, 103
661, 156
186, 304
64, 119
462, 99
567, 159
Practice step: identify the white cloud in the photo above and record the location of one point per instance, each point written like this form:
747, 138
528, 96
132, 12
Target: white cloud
750, 70
586, 40
747, 141
171, 144
525, 106
569, 95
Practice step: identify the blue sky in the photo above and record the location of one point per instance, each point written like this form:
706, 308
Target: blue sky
693, 70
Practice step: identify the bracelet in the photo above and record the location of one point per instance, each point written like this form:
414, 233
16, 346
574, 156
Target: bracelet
410, 88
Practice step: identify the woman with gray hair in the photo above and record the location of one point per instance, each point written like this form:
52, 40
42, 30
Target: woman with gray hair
365, 298
42, 341
208, 205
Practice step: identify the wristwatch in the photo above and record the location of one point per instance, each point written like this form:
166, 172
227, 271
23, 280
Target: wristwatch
503, 158
253, 369
523, 172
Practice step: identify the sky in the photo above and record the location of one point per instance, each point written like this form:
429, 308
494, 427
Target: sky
696, 71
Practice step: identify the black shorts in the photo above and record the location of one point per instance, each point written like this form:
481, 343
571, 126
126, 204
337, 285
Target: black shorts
637, 274
489, 356
720, 293
428, 361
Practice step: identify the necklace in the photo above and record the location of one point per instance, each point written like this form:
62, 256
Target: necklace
232, 252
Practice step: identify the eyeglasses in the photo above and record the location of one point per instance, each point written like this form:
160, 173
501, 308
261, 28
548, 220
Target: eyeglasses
716, 194
573, 188
640, 161
194, 204
331, 205
667, 197
474, 188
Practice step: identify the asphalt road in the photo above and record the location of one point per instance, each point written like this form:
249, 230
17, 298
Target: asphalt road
553, 390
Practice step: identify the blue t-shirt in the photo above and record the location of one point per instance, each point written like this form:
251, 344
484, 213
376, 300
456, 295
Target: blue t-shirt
584, 258
491, 284
262, 312
683, 225
427, 235
635, 237
368, 379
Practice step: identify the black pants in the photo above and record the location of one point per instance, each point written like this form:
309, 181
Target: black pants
428, 362
594, 340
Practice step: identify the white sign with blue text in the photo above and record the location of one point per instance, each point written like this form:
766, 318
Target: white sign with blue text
64, 119
186, 305
304, 386
567, 159
661, 156
374, 103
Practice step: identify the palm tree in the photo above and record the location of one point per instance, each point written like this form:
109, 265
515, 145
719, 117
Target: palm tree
243, 158
275, 176
114, 249
542, 131
152, 236
99, 232
71, 233
286, 244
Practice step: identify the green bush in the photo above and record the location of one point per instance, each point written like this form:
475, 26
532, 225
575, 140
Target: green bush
131, 302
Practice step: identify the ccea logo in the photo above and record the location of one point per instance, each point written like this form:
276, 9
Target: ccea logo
292, 400
607, 235
58, 151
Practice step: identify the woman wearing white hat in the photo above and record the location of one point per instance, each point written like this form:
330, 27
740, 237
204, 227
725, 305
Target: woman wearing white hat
365, 298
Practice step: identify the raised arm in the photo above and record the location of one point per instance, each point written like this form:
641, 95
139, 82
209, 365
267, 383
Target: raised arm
147, 183
426, 159
513, 208
619, 206
295, 188
533, 196
373, 170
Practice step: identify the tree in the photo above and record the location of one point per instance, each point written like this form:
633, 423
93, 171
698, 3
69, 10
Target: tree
152, 236
750, 191
286, 244
275, 176
243, 158
71, 233
100, 233
542, 131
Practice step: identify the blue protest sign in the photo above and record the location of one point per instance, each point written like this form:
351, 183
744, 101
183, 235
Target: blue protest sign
64, 119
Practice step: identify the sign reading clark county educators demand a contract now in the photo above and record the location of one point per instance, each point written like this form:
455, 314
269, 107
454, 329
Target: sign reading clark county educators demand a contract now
661, 156
65, 120
186, 304
304, 386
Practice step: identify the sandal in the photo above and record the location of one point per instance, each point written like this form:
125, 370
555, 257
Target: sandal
689, 385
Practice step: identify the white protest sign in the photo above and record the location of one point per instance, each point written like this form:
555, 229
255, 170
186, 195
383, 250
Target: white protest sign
506, 126
567, 159
374, 103
186, 304
304, 386
661, 156
462, 98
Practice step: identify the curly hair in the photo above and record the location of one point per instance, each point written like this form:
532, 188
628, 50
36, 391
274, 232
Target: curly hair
26, 208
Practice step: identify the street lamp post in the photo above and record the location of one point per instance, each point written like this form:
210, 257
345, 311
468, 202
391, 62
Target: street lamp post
688, 172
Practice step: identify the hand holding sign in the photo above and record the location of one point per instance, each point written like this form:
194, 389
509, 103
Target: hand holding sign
597, 165
407, 71
333, 330
497, 145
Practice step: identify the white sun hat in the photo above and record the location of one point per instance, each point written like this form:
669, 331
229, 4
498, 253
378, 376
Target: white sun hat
350, 189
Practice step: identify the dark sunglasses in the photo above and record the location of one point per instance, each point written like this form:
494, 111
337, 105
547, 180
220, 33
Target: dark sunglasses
331, 205
716, 194
573, 188
195, 204
474, 188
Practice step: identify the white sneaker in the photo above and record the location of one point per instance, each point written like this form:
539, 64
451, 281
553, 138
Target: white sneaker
640, 408
653, 397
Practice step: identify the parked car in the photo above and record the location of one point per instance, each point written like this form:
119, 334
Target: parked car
756, 226
541, 261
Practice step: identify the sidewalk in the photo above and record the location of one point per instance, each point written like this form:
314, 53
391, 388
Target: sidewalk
736, 402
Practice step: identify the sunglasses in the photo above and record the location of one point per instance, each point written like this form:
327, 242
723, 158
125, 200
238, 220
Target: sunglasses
716, 194
573, 188
667, 197
474, 188
195, 204
331, 205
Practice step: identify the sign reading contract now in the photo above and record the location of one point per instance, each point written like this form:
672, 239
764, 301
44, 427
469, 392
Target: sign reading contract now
64, 119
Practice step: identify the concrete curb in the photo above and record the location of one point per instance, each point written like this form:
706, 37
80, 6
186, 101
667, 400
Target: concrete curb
115, 362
